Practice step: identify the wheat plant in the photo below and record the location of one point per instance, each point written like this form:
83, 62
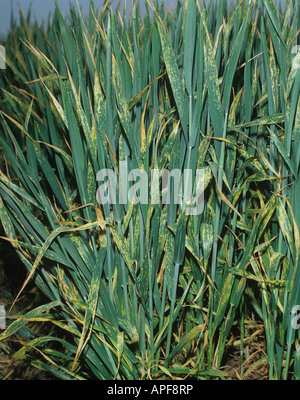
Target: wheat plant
144, 290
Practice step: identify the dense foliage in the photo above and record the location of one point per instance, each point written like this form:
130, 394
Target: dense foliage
147, 290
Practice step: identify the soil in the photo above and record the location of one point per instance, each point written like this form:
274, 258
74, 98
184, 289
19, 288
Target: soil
12, 276
249, 364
